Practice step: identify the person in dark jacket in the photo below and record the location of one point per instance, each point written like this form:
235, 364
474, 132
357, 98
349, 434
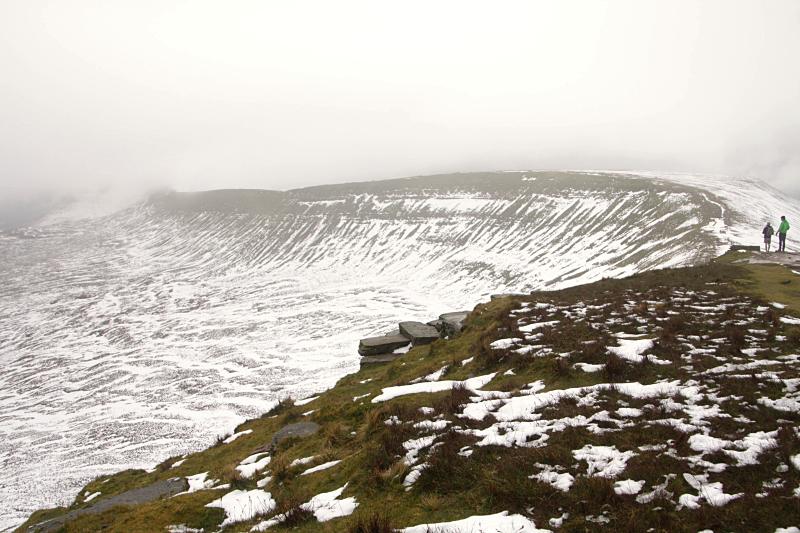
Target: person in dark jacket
782, 229
768, 232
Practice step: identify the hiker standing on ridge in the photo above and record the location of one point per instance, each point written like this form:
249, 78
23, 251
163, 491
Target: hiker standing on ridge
768, 232
782, 229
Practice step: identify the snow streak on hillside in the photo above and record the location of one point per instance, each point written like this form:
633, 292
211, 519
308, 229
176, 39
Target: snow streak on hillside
146, 333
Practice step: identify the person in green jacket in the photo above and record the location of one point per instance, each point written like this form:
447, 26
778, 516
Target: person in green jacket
782, 229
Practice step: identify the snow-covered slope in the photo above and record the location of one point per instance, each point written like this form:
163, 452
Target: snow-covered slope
152, 330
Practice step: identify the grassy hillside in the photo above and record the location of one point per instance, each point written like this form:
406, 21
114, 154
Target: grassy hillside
667, 401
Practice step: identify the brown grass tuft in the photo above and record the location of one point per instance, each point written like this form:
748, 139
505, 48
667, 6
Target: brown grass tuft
788, 443
593, 351
561, 367
452, 402
615, 367
234, 477
386, 440
288, 506
336, 434
447, 471
670, 330
772, 318
485, 355
374, 522
279, 466
793, 336
736, 337
594, 492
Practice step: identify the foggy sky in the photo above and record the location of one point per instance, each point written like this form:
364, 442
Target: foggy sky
200, 94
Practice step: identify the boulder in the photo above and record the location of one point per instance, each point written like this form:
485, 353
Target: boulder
418, 332
453, 322
298, 429
382, 345
745, 248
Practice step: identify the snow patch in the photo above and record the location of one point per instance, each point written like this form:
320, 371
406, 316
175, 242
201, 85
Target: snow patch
241, 505
433, 386
496, 523
318, 468
603, 461
237, 435
252, 464
628, 486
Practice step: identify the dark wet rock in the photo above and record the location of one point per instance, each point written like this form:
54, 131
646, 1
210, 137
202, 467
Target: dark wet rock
418, 332
382, 345
453, 322
744, 247
155, 491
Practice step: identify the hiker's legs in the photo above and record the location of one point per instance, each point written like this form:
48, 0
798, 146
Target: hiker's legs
781, 242
766, 245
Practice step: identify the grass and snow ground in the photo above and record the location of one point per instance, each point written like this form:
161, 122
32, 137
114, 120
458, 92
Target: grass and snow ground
667, 402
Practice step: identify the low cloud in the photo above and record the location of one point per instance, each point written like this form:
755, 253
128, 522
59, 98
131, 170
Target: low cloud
198, 95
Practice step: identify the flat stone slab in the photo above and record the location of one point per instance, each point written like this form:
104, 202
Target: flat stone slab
383, 344
160, 489
418, 332
745, 247
453, 322
298, 429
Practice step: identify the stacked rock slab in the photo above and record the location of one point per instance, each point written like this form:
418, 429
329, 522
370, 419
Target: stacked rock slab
386, 347
418, 332
452, 322
382, 344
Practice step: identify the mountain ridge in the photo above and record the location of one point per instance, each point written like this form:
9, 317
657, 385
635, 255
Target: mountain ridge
183, 323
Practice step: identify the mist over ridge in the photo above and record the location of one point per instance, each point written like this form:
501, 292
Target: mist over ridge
264, 96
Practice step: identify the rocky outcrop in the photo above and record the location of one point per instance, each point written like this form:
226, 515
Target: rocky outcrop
452, 322
387, 347
383, 344
418, 332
